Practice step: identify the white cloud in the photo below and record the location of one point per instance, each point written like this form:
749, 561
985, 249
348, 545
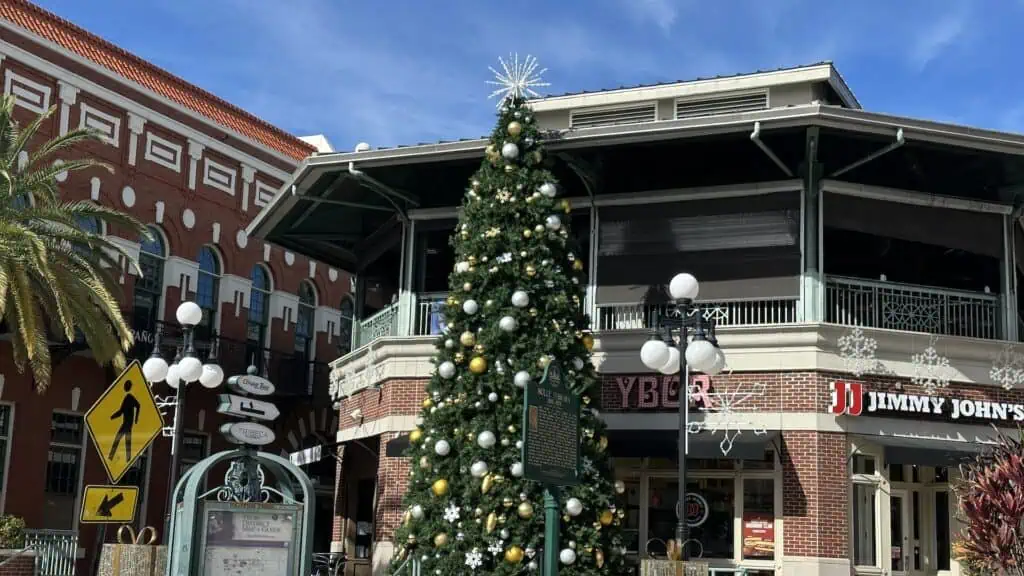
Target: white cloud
661, 13
934, 38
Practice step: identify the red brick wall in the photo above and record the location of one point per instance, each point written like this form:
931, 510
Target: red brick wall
392, 480
20, 566
783, 391
391, 398
815, 494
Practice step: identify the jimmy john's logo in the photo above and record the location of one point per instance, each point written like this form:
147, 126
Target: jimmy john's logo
851, 399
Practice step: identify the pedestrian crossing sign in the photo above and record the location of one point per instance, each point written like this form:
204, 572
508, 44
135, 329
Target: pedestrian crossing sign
124, 421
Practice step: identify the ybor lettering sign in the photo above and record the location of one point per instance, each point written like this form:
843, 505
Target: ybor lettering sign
850, 398
661, 392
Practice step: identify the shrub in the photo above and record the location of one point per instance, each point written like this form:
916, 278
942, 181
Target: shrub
12, 532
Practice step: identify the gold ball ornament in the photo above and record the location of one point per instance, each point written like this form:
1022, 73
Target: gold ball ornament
415, 436
478, 365
525, 510
471, 260
464, 235
599, 558
543, 361
467, 287
440, 487
411, 539
452, 301
441, 540
577, 265
538, 228
467, 339
531, 271
424, 462
534, 311
514, 555
566, 205
506, 502
459, 357
606, 517
588, 342
479, 348
514, 128
510, 168
527, 233
427, 402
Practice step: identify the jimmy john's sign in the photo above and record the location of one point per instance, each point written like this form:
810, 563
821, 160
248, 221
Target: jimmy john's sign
852, 399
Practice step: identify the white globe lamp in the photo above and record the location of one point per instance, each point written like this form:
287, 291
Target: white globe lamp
718, 365
671, 365
189, 314
700, 354
190, 369
211, 376
172, 377
654, 354
684, 287
154, 369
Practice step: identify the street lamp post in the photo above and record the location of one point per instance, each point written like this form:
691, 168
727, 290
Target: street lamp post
185, 369
701, 352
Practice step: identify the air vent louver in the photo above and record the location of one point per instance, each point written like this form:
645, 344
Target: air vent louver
694, 107
592, 117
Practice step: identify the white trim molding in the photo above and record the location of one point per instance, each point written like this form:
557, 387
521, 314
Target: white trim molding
195, 152
136, 124
28, 93
264, 194
235, 290
219, 176
180, 273
163, 152
284, 305
68, 94
108, 126
327, 320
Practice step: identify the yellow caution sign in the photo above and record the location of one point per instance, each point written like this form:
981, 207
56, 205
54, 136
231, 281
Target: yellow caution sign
124, 421
109, 504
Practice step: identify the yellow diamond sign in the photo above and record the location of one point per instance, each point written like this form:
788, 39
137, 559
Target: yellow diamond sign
124, 421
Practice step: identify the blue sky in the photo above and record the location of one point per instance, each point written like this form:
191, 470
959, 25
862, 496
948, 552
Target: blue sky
408, 71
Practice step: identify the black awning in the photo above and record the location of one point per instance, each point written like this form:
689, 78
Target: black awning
664, 444
921, 451
396, 447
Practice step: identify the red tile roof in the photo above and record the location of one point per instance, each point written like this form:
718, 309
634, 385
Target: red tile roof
92, 47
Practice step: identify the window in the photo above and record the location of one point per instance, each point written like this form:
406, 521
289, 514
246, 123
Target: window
364, 517
304, 320
63, 471
138, 475
194, 447
5, 443
866, 500
259, 314
89, 225
208, 289
758, 519
150, 286
347, 308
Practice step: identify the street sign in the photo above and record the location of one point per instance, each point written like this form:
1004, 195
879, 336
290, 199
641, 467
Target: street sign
124, 421
551, 431
251, 384
243, 407
252, 433
109, 504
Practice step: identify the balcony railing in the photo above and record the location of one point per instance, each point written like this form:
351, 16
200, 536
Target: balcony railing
746, 312
875, 304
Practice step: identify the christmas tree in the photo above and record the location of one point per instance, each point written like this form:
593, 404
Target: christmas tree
514, 307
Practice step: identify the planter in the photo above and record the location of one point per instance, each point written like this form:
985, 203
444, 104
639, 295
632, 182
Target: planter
653, 567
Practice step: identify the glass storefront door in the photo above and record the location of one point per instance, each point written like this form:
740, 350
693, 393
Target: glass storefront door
898, 539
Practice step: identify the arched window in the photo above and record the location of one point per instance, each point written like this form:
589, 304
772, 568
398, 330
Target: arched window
208, 288
304, 320
347, 308
259, 313
149, 287
87, 224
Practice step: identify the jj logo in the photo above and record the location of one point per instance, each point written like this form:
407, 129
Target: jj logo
847, 398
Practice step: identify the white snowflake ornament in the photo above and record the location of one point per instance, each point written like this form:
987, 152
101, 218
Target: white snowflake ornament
726, 414
931, 370
517, 80
451, 513
474, 559
1008, 368
857, 352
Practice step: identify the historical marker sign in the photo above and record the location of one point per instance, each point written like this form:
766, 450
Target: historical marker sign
109, 504
551, 431
124, 421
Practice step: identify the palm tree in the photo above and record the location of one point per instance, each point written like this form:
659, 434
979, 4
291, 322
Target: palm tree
57, 272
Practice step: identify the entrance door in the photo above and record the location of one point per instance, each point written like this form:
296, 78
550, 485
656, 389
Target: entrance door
899, 536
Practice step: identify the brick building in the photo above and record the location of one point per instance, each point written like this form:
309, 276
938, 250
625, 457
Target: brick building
197, 170
822, 449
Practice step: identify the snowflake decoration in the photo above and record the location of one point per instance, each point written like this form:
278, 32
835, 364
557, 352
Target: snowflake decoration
725, 415
451, 513
931, 370
504, 258
503, 196
517, 79
588, 465
474, 559
858, 352
1008, 368
496, 547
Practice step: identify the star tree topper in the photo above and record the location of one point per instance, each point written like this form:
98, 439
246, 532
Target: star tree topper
517, 80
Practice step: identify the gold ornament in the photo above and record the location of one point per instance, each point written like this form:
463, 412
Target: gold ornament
534, 311
411, 539
537, 157
514, 128
599, 557
464, 235
452, 301
538, 228
490, 149
485, 487
509, 168
406, 518
478, 512
441, 540
471, 260
491, 523
475, 184
527, 233
511, 429
588, 342
577, 265
479, 348
427, 402
602, 443
459, 357
543, 361
424, 462
440, 487
467, 339
566, 205
531, 271
478, 365
506, 502
514, 555
467, 287
415, 436
606, 517
525, 510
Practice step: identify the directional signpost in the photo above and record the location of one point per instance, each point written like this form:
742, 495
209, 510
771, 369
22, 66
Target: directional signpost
551, 449
124, 421
109, 504
248, 432
242, 407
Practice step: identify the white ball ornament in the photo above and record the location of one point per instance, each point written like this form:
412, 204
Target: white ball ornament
449, 344
553, 222
567, 556
478, 469
419, 420
486, 439
492, 397
548, 189
516, 469
508, 324
521, 379
620, 487
417, 512
577, 363
532, 565
446, 370
470, 307
573, 506
520, 299
442, 448
510, 151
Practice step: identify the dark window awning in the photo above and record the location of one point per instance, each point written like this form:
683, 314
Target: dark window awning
664, 444
922, 451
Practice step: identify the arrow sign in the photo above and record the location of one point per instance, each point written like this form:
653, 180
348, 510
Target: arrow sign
232, 405
107, 505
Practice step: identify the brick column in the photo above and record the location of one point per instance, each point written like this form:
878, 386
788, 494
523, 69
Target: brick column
815, 503
338, 528
392, 482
